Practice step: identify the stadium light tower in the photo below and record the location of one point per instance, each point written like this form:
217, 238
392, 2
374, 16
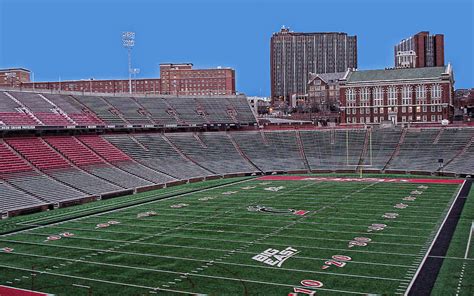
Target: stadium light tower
128, 41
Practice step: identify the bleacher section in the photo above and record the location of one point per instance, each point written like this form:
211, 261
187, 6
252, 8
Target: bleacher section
38, 172
77, 112
13, 114
86, 159
45, 112
27, 110
270, 152
214, 151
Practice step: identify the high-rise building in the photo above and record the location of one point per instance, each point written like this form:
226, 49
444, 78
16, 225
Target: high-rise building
420, 50
294, 55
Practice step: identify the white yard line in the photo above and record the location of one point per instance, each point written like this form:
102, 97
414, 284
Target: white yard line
469, 240
94, 280
186, 247
175, 272
434, 240
223, 231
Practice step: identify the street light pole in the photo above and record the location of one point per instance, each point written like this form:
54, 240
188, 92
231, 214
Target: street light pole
128, 41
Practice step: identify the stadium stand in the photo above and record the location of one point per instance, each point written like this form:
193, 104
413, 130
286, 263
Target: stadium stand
14, 199
130, 110
12, 113
83, 157
78, 113
268, 151
47, 113
43, 109
104, 111
208, 150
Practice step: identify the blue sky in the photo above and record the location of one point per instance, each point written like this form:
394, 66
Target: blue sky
75, 39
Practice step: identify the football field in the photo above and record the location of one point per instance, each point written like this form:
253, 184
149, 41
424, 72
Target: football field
271, 235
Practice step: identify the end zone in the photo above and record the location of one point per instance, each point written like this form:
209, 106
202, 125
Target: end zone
10, 291
382, 180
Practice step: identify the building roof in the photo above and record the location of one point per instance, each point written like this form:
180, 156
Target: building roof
15, 69
327, 77
397, 74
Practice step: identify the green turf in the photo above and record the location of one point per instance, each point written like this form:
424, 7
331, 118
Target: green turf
455, 265
207, 246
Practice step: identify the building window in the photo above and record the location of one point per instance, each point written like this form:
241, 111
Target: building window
392, 96
433, 117
361, 120
364, 96
381, 110
381, 118
433, 108
350, 94
376, 110
348, 119
420, 92
439, 109
436, 91
404, 109
425, 119
367, 119
425, 108
440, 117
378, 96
362, 111
376, 119
406, 95
404, 119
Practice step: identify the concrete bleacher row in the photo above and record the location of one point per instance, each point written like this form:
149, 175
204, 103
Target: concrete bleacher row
35, 109
55, 170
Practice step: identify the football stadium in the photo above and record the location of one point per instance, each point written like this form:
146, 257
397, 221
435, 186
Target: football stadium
159, 195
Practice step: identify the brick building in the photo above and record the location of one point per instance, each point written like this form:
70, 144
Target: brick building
420, 50
177, 79
182, 79
398, 95
14, 77
323, 91
147, 85
294, 55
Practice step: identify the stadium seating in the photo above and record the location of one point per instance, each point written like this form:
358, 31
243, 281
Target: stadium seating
13, 199
85, 158
41, 171
269, 152
77, 112
208, 150
43, 109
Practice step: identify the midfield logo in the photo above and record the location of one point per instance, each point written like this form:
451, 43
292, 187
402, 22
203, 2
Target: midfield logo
274, 257
270, 210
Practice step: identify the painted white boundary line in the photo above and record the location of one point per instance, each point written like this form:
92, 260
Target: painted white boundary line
469, 240
433, 241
